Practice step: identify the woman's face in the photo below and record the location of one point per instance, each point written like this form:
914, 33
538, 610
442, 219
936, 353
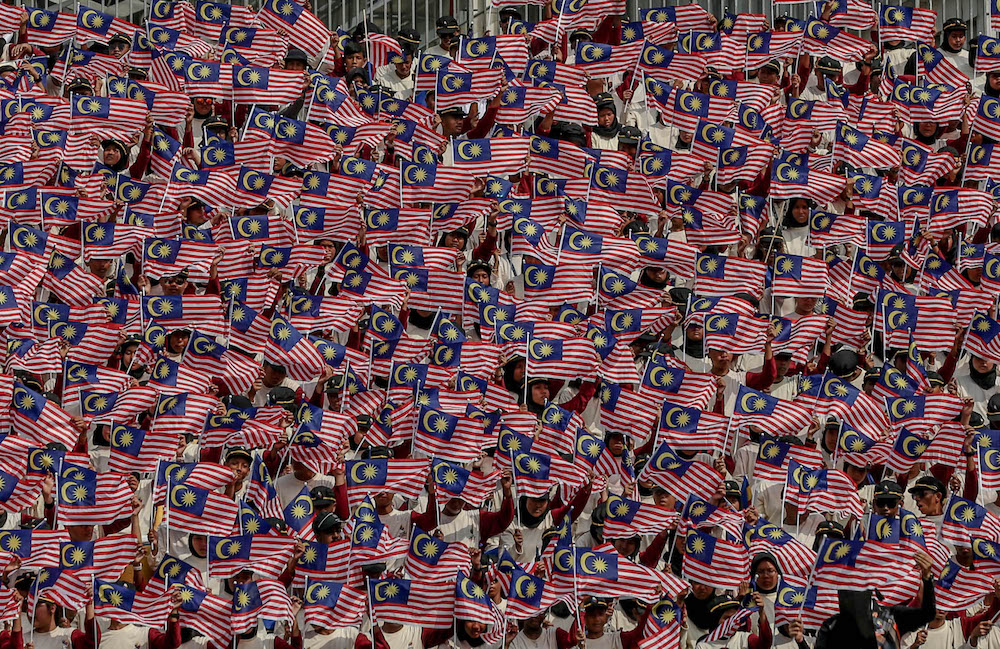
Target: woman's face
481, 276
927, 129
767, 575
800, 211
112, 155
993, 78
982, 365
540, 393
127, 355
605, 117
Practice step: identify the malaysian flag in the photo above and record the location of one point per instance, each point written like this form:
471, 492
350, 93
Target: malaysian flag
716, 275
907, 24
89, 498
400, 601
965, 519
678, 476
625, 518
196, 511
332, 605
982, 340
714, 562
264, 598
207, 613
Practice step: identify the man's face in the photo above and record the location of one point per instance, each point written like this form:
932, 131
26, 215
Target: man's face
403, 69
355, 60
605, 117
767, 76
196, 216
888, 507
721, 359
456, 241
118, 49
295, 66
178, 341
100, 267
272, 377
239, 466
451, 125
928, 502
173, 285
202, 106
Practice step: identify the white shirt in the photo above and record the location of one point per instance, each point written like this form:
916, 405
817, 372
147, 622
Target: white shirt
545, 641
408, 637
339, 639
127, 637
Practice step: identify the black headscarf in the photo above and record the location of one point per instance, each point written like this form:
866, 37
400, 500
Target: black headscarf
609, 131
697, 611
985, 380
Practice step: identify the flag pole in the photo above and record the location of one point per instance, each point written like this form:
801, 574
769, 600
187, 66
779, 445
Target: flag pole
527, 353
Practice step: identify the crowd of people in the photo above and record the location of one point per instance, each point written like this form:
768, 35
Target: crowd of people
609, 331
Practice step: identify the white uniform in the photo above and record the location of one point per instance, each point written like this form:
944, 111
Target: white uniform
947, 636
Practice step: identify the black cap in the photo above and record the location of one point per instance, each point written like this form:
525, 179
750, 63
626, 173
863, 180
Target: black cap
954, 24
326, 522
829, 66
378, 453
928, 483
239, 452
993, 406
843, 363
510, 13
215, 121
888, 489
454, 111
732, 488
137, 73
478, 264
831, 529
595, 604
322, 496
236, 401
580, 35
118, 144
767, 235
635, 225
605, 100
281, 396
357, 72
445, 25
722, 603
295, 54
629, 135
120, 37
862, 302
775, 66
934, 378
80, 83
335, 385
408, 36
976, 420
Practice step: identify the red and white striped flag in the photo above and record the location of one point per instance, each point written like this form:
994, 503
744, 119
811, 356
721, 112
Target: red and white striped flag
400, 601
714, 562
